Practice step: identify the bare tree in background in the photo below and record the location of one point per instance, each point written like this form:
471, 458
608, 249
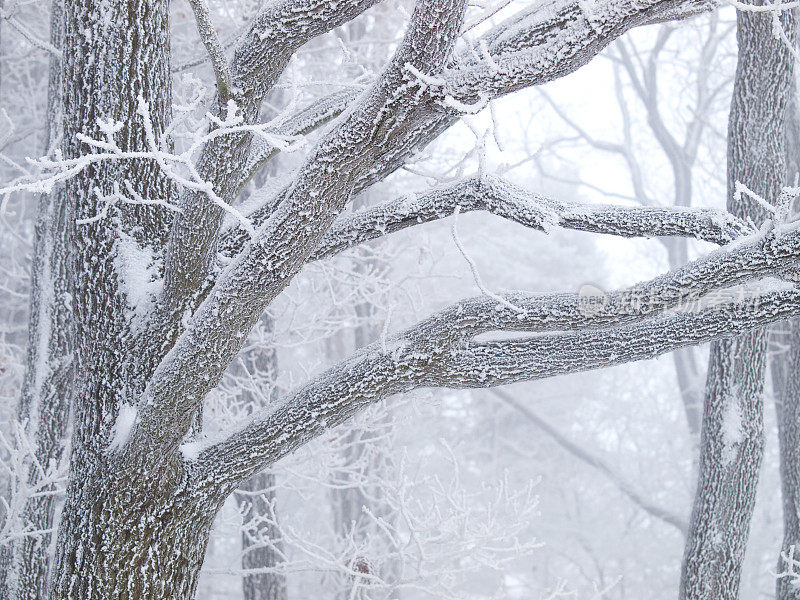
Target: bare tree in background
162, 290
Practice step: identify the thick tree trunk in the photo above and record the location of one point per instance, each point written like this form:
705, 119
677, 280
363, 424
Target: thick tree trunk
732, 429
122, 541
125, 532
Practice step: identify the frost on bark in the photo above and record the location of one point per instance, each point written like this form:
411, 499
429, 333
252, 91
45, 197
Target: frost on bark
732, 436
44, 400
143, 490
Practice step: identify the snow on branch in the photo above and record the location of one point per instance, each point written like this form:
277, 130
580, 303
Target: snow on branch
180, 168
313, 116
535, 46
547, 42
277, 31
686, 306
217, 329
504, 199
373, 373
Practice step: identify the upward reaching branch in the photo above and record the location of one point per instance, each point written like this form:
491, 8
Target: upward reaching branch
283, 243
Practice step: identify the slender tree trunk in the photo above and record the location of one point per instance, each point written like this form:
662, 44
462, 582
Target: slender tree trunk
261, 538
686, 371
44, 399
732, 428
365, 456
787, 404
257, 500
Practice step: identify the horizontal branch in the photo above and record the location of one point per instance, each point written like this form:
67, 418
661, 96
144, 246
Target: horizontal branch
533, 210
379, 371
544, 43
569, 336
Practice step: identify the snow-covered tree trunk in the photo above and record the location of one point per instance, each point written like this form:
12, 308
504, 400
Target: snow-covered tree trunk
44, 401
732, 431
257, 497
125, 532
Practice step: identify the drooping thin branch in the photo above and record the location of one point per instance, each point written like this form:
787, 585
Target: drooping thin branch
30, 37
624, 486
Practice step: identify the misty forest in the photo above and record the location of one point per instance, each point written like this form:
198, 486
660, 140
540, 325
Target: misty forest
399, 300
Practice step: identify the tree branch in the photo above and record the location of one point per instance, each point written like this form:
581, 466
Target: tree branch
516, 204
208, 35
401, 365
533, 47
570, 336
323, 186
277, 31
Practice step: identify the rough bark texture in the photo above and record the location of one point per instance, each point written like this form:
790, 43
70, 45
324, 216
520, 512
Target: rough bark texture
732, 430
44, 399
142, 493
119, 526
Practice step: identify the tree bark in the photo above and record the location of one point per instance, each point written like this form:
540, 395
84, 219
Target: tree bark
732, 428
125, 532
121, 540
44, 399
